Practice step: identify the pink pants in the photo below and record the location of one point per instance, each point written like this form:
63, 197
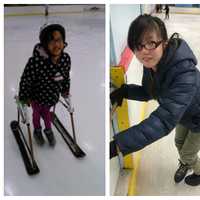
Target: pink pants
41, 111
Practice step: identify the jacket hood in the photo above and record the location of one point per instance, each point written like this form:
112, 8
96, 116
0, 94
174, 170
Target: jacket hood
38, 50
176, 51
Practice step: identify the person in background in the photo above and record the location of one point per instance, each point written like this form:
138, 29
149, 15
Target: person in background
166, 11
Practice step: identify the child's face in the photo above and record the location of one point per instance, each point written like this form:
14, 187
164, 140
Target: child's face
56, 45
150, 51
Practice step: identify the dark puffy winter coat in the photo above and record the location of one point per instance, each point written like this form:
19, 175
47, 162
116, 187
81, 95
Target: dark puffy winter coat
42, 80
176, 87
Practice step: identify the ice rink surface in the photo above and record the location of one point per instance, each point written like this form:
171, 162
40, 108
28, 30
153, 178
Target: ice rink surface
159, 161
61, 174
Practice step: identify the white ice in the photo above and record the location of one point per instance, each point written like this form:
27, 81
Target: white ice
61, 174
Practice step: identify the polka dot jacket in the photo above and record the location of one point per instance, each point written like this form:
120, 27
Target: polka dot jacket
42, 80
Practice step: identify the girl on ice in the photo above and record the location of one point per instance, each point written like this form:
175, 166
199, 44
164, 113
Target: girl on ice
45, 77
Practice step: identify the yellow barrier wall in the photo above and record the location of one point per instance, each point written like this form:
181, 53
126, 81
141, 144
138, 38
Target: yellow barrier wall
118, 78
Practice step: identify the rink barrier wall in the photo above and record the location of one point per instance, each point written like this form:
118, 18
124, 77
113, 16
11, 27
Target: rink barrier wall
183, 10
121, 121
118, 78
126, 57
53, 10
136, 161
131, 161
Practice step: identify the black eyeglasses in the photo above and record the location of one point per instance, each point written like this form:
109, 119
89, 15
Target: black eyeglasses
59, 40
149, 45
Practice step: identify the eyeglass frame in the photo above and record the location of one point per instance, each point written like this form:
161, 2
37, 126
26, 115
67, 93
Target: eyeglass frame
144, 45
52, 42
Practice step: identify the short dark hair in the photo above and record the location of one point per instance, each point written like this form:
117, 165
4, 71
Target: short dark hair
141, 25
46, 34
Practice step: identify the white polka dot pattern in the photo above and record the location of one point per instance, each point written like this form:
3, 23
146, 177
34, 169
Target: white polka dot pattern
44, 81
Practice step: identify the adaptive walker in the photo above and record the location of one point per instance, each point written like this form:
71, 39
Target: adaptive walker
26, 147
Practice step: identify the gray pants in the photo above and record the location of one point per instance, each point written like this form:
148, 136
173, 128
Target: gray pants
188, 145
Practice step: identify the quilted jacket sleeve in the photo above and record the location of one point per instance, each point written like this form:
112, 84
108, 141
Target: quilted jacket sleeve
175, 101
136, 92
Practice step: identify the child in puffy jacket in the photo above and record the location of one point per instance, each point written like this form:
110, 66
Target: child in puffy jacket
171, 77
45, 77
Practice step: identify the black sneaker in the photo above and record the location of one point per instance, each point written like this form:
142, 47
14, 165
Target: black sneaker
37, 134
50, 136
193, 179
181, 172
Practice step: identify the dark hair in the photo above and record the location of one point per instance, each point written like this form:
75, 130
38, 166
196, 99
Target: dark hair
141, 25
46, 34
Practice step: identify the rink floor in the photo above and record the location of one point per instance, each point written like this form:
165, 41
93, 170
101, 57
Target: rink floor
159, 160
61, 174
